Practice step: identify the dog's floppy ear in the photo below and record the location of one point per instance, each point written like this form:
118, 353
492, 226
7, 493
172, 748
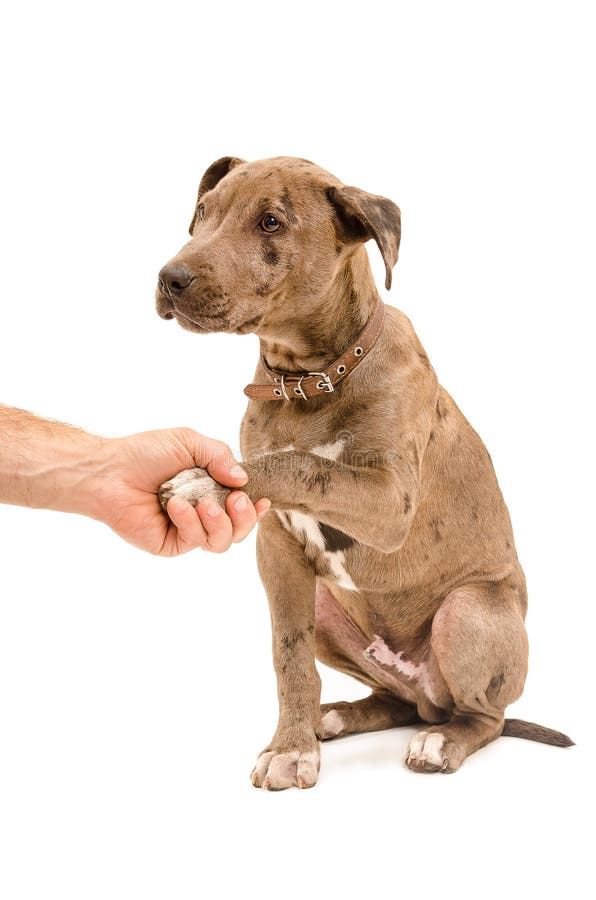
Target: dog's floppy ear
216, 171
361, 216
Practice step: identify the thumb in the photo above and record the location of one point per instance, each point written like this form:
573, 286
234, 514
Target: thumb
218, 459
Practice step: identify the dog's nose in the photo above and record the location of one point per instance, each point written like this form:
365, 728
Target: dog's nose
173, 279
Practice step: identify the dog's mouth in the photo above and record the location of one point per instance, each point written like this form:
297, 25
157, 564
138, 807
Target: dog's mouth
167, 308
203, 322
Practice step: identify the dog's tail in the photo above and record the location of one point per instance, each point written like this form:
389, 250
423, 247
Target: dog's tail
531, 732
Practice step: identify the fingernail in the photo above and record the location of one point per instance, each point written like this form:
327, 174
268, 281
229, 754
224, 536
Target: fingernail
241, 502
213, 509
238, 472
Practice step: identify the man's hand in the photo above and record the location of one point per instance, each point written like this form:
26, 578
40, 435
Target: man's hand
48, 465
135, 467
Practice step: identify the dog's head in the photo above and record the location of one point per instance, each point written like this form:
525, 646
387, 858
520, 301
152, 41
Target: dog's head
269, 235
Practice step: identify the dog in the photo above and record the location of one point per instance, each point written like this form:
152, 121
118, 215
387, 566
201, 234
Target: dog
389, 552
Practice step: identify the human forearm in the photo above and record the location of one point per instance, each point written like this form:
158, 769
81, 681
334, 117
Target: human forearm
46, 464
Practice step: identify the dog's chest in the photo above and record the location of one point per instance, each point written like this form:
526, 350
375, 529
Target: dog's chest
325, 546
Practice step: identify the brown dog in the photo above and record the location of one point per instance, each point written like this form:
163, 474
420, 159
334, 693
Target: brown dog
390, 554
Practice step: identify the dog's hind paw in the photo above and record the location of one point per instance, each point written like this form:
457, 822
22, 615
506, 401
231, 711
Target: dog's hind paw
193, 485
275, 771
426, 753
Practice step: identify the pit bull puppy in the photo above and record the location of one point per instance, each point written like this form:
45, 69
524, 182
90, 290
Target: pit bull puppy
388, 553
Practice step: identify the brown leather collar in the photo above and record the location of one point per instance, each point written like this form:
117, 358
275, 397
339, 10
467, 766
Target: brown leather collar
294, 386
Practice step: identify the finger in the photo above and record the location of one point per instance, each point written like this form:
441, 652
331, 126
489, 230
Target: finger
262, 507
242, 514
217, 525
190, 532
225, 469
217, 458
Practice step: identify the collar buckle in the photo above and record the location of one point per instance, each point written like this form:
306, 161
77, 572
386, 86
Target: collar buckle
325, 383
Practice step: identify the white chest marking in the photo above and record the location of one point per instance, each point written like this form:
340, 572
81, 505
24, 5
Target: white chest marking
328, 451
337, 565
307, 529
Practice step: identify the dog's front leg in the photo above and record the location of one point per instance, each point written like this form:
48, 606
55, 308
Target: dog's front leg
347, 497
292, 757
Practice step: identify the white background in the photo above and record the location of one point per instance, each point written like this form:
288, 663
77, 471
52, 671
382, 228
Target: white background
135, 692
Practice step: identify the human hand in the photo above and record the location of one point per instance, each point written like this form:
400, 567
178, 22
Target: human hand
131, 472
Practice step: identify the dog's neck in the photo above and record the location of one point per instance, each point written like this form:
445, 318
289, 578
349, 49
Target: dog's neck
312, 342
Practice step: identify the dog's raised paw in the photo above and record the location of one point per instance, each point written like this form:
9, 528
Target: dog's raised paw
276, 771
192, 485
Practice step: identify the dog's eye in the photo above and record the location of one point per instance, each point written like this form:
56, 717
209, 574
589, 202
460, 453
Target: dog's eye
201, 212
269, 224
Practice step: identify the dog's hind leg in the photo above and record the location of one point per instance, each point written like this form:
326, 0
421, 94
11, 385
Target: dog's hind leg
376, 712
480, 644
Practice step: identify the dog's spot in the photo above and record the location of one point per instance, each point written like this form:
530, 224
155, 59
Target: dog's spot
270, 254
431, 436
407, 504
380, 653
416, 674
435, 525
312, 480
250, 323
494, 686
335, 539
288, 208
289, 642
441, 408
